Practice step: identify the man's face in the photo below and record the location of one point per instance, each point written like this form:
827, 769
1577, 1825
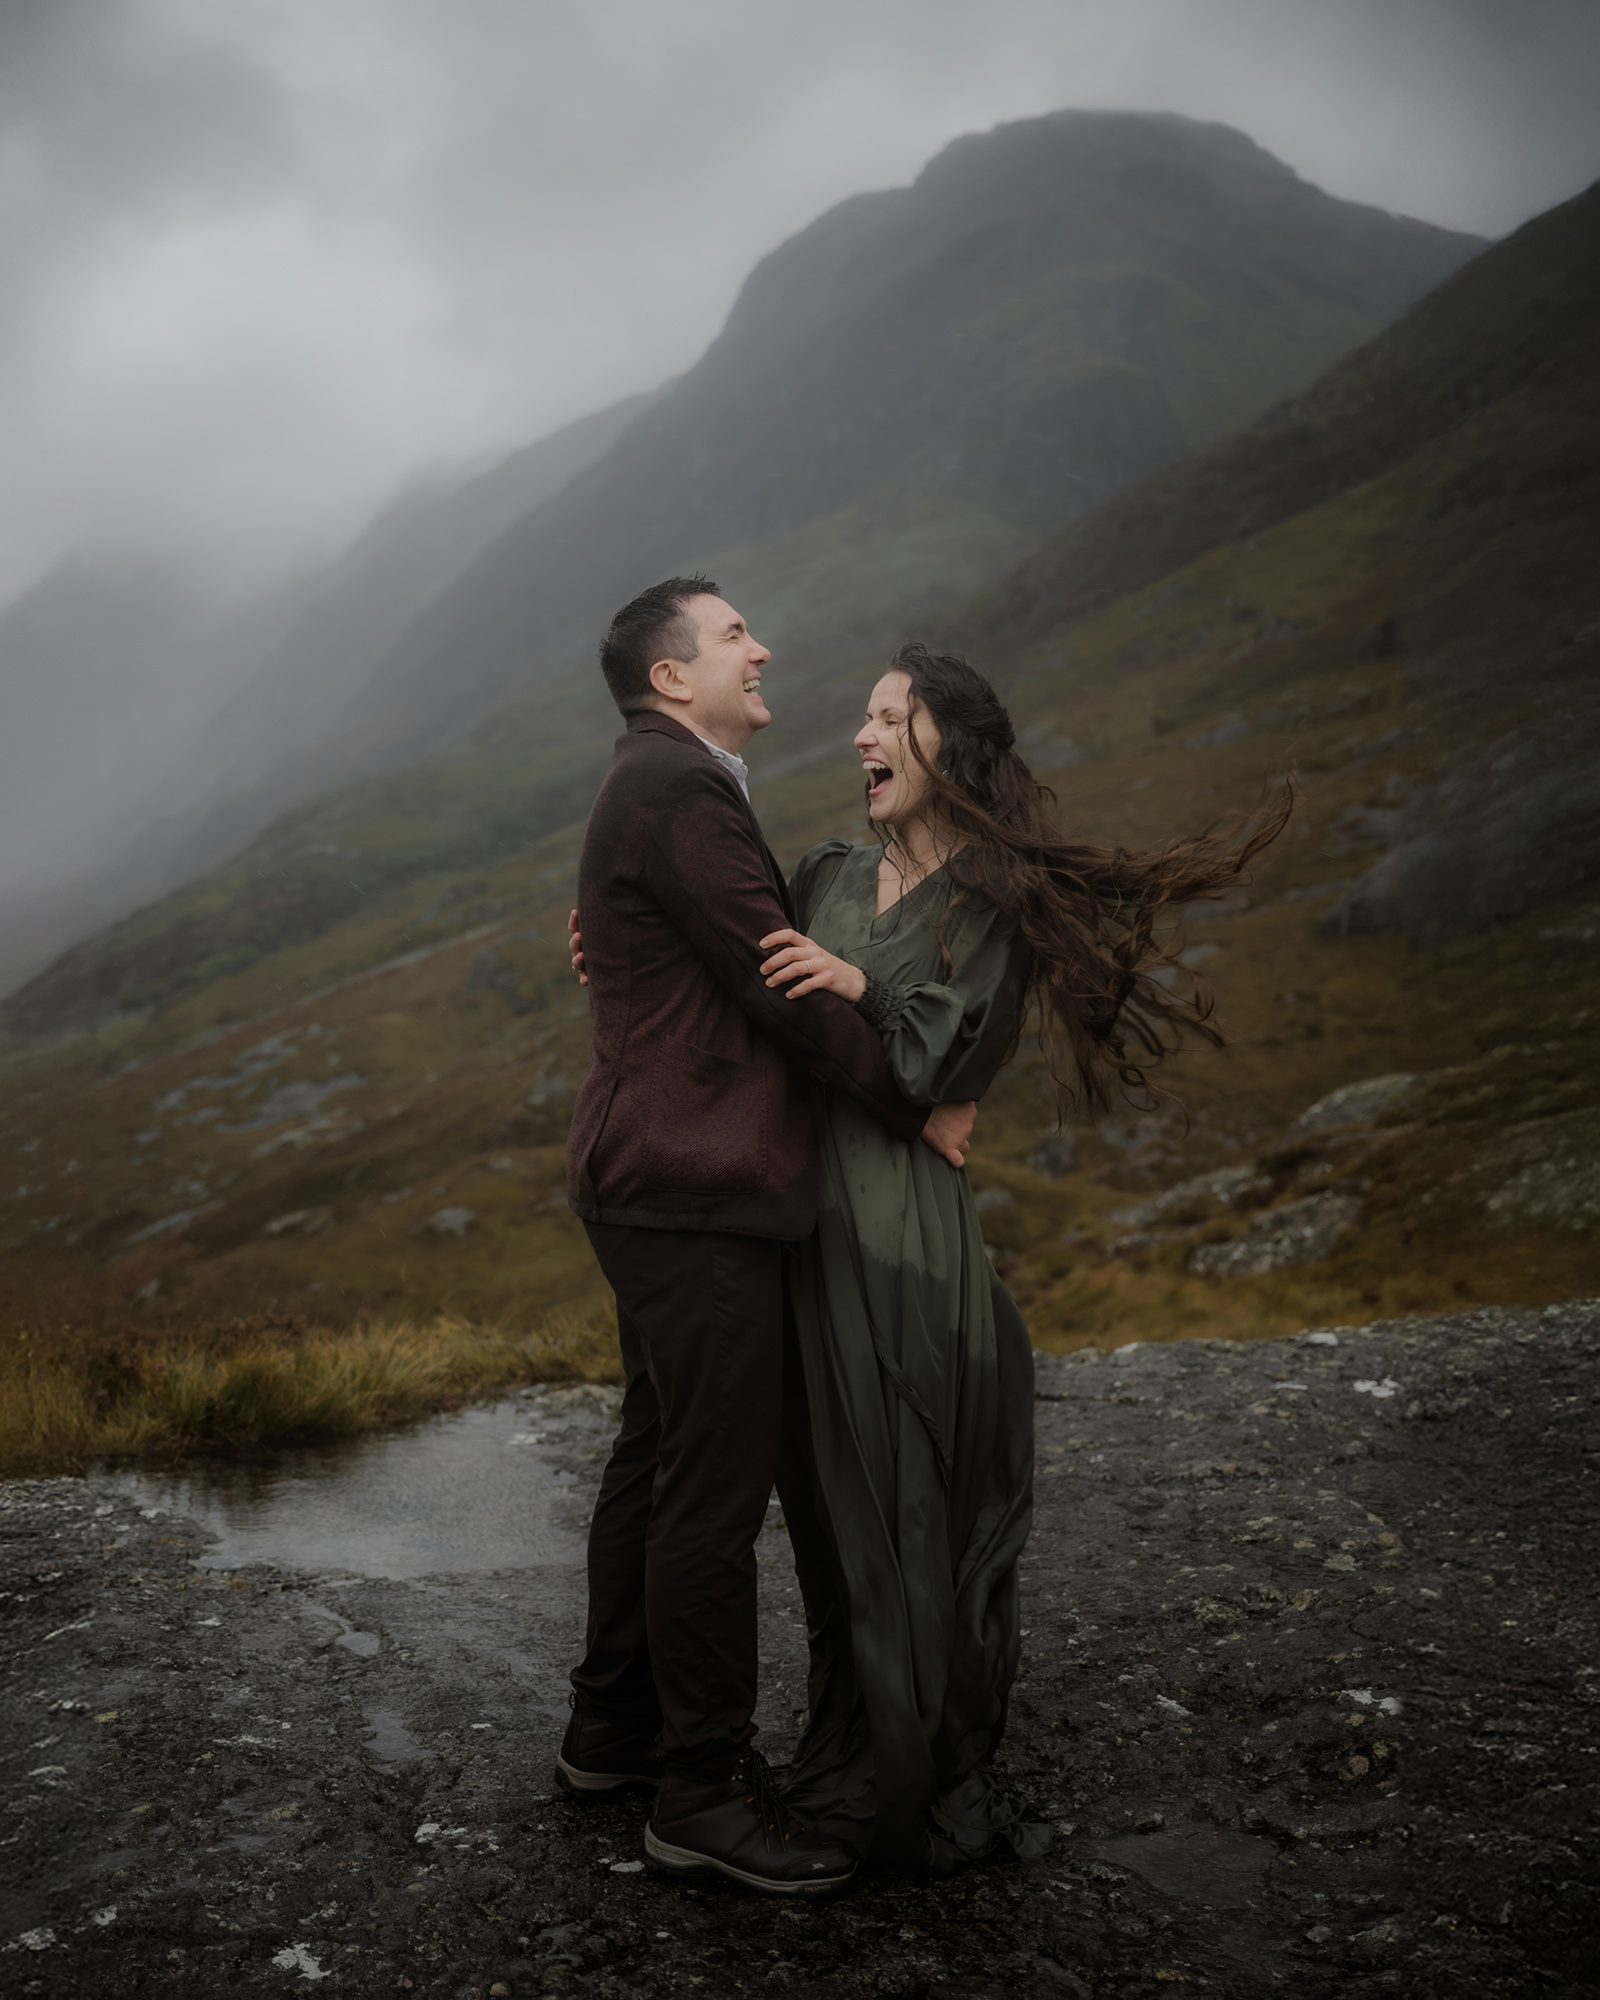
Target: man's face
725, 681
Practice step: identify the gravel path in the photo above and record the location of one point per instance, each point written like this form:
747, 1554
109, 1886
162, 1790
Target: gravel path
1310, 1691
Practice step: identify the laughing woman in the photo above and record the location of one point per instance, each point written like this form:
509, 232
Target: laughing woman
909, 1409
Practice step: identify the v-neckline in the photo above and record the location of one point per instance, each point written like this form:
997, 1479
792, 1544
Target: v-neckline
879, 915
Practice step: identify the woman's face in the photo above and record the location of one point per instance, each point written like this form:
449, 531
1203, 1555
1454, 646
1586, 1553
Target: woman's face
897, 784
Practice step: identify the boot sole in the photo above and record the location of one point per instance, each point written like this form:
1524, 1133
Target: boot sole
598, 1784
690, 1861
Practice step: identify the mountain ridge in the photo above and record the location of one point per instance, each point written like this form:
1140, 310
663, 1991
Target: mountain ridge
368, 1120
1107, 289
1519, 334
1116, 423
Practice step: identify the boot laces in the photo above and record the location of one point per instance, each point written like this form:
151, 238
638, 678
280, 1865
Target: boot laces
762, 1792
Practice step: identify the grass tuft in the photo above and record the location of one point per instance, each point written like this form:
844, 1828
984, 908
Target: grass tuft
72, 1394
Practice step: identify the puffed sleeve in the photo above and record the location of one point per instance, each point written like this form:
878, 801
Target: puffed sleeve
946, 1042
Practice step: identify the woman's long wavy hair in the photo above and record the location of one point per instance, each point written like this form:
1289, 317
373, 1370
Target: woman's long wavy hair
1088, 916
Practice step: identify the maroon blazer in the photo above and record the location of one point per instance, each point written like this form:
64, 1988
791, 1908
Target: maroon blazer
695, 1113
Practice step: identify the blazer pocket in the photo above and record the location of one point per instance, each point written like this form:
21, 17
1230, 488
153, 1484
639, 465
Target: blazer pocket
708, 1123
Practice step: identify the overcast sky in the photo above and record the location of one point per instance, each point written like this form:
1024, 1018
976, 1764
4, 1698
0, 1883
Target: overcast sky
265, 257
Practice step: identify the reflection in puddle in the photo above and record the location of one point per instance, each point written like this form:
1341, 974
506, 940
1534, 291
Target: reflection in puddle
363, 1644
116, 1857
388, 1739
449, 1495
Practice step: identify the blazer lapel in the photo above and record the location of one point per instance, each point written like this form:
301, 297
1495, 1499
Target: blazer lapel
777, 876
651, 719
772, 863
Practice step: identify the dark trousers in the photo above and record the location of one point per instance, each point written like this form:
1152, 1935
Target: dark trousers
672, 1564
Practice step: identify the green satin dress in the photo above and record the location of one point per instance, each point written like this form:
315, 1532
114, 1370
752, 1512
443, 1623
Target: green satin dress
909, 1435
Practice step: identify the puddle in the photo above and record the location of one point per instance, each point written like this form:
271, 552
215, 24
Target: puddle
248, 1840
467, 1491
388, 1739
1198, 1864
117, 1857
363, 1644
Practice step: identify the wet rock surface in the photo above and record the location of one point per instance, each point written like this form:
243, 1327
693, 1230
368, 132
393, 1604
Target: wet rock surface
1309, 1690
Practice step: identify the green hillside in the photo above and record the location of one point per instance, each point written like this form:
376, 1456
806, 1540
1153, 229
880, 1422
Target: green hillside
1389, 588
906, 397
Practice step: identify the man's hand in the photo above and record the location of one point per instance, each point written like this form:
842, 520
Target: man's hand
575, 948
818, 971
949, 1131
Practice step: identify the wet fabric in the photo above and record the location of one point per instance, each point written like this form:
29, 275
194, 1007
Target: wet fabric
911, 1407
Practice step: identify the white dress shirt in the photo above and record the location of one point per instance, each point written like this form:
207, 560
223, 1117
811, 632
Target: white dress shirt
726, 758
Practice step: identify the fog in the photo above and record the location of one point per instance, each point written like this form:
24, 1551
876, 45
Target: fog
268, 257
271, 263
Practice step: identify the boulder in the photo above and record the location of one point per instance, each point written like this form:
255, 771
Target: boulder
1300, 1232
452, 1221
1357, 1103
1500, 848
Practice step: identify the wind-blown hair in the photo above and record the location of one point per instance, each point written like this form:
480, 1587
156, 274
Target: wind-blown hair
1088, 916
654, 625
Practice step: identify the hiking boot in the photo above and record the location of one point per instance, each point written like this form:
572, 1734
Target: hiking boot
738, 1828
599, 1758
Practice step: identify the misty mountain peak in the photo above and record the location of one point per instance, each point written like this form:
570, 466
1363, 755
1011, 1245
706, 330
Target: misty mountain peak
907, 396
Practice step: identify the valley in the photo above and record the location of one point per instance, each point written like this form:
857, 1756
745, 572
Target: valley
327, 1086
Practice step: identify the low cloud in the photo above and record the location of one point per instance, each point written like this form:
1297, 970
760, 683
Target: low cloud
265, 260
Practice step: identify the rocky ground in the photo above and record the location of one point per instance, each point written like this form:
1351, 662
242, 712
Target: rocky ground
1309, 1692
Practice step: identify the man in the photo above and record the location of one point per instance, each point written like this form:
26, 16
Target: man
691, 1160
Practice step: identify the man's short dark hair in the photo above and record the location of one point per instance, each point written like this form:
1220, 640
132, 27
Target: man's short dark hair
655, 625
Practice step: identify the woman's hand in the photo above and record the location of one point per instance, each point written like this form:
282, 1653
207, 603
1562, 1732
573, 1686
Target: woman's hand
949, 1131
818, 971
575, 948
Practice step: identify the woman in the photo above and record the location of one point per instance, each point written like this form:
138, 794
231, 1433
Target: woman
910, 1416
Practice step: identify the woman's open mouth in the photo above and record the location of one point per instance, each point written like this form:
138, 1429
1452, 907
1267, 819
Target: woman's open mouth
878, 776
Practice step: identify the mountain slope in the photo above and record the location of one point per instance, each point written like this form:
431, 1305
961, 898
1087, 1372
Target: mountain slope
926, 381
143, 740
309, 1133
1521, 319
269, 748
1474, 425
107, 679
905, 397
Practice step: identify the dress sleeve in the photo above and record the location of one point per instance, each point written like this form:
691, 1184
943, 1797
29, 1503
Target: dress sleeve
946, 1042
818, 870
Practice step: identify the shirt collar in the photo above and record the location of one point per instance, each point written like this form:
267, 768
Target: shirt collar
728, 761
